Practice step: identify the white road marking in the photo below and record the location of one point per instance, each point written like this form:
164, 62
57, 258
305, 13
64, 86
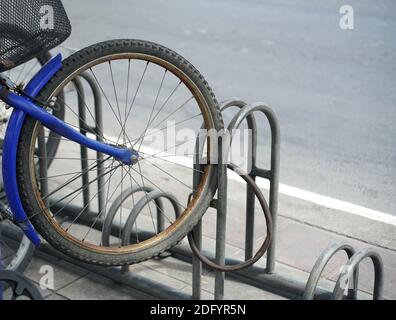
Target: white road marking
332, 203
301, 194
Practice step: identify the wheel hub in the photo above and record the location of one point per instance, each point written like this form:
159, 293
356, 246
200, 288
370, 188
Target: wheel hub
135, 157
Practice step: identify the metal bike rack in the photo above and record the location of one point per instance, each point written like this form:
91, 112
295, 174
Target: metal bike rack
265, 278
350, 272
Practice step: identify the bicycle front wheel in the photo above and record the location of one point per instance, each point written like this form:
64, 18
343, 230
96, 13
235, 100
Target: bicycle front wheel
150, 99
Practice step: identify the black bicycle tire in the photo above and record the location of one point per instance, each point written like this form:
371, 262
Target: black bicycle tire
28, 196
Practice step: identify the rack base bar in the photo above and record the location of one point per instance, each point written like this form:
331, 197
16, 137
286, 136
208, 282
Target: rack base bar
146, 286
276, 283
254, 276
258, 277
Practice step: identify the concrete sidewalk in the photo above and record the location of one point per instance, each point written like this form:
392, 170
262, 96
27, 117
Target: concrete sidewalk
299, 245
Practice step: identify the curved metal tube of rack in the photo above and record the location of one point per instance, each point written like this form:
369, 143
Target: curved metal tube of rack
351, 268
220, 204
111, 213
320, 265
153, 195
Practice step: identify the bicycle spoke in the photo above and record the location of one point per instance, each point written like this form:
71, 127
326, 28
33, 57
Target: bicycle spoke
89, 111
168, 126
105, 138
164, 104
152, 109
172, 113
134, 98
75, 178
155, 185
127, 92
133, 205
60, 200
96, 218
163, 213
122, 189
88, 203
115, 91
66, 158
110, 105
60, 175
90, 130
179, 164
174, 146
105, 207
87, 184
167, 173
148, 202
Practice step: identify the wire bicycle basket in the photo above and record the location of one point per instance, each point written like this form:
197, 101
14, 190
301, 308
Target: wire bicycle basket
29, 28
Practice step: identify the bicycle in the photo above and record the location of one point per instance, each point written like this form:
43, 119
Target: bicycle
34, 188
17, 251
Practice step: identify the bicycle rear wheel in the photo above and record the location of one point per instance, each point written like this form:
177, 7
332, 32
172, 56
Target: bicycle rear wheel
147, 91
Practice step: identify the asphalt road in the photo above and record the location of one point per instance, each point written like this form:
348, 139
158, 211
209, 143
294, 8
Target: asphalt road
333, 90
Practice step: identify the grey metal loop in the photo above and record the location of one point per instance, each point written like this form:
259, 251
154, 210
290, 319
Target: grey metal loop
84, 128
232, 102
321, 263
153, 195
82, 103
352, 265
247, 113
235, 102
108, 222
251, 123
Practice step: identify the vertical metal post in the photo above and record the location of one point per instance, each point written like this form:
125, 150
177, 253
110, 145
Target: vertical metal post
221, 221
98, 129
160, 222
246, 112
250, 197
197, 264
274, 185
197, 231
99, 137
249, 232
83, 149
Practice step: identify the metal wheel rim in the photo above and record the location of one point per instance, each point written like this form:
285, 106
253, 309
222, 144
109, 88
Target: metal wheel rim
148, 243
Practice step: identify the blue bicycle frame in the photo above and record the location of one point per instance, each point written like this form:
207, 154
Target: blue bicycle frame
24, 106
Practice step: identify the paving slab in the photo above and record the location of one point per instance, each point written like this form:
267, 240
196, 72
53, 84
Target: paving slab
62, 276
91, 287
56, 296
299, 245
